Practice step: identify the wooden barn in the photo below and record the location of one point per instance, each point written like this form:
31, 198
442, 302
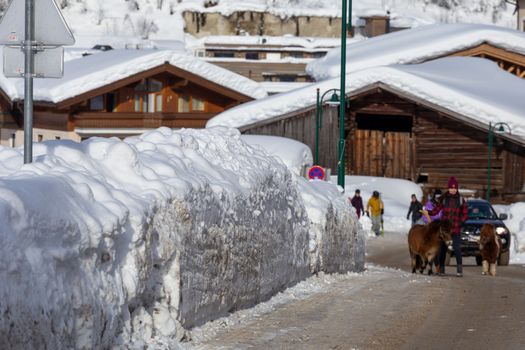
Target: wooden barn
124, 92
427, 137
392, 131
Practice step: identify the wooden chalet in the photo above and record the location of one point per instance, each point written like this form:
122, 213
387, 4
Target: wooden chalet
507, 60
393, 133
164, 95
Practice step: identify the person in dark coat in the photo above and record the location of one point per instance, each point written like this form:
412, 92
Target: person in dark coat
454, 209
357, 203
415, 208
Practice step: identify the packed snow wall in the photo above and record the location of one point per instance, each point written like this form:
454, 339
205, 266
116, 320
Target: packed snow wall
115, 243
337, 240
233, 252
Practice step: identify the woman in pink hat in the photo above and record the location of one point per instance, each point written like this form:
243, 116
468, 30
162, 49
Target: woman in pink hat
453, 208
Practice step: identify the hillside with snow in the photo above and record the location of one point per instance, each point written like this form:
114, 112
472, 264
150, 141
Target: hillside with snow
162, 19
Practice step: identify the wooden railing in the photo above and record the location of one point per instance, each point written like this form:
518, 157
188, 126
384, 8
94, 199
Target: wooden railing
140, 120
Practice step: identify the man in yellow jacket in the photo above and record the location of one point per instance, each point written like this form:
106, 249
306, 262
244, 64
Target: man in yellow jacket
375, 209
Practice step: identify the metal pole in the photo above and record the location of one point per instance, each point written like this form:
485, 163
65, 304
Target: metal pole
317, 108
488, 167
342, 104
28, 80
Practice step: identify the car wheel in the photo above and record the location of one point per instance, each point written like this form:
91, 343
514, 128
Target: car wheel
447, 259
504, 258
479, 260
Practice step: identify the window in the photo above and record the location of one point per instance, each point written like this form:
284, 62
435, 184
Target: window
40, 138
12, 140
296, 54
287, 78
184, 104
252, 55
273, 56
148, 96
318, 54
223, 54
96, 103
197, 104
57, 137
158, 103
111, 105
191, 104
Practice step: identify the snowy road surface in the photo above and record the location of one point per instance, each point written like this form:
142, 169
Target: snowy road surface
382, 308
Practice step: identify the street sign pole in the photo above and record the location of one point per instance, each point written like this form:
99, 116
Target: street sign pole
28, 80
41, 46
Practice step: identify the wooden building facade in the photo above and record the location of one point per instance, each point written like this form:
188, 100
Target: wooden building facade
392, 134
161, 96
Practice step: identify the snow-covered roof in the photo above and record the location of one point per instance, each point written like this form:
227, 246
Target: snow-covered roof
91, 72
414, 46
474, 88
285, 40
275, 87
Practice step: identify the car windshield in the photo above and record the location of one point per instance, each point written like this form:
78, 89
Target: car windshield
481, 210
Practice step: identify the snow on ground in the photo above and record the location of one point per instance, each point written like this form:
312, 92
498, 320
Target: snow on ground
122, 243
516, 225
395, 194
301, 291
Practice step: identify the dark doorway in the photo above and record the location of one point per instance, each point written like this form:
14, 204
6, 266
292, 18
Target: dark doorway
395, 123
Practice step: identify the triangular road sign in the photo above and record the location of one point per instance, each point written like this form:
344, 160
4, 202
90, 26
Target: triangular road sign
50, 27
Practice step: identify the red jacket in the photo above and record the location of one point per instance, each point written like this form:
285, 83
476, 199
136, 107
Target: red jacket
455, 210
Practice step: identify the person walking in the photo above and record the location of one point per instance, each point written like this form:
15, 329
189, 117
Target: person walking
454, 208
357, 203
415, 208
375, 210
430, 204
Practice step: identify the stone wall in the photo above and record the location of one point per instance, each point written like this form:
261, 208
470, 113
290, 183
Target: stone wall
260, 23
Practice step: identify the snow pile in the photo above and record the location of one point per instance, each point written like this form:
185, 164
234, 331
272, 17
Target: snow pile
516, 224
395, 194
296, 155
327, 210
111, 242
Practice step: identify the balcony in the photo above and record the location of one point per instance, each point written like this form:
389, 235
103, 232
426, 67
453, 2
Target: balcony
130, 120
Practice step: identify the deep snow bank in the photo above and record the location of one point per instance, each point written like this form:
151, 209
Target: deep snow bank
109, 242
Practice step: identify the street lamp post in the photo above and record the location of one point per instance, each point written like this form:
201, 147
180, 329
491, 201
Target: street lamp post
334, 101
342, 105
500, 129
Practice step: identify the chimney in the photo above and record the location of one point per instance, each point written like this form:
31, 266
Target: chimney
377, 25
521, 14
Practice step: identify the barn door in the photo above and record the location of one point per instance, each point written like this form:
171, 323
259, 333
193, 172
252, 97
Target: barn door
382, 153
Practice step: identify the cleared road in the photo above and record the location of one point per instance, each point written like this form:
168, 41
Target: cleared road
393, 309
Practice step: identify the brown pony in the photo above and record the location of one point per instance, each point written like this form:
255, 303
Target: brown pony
424, 242
489, 247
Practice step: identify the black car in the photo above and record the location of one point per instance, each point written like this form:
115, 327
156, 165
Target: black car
480, 212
